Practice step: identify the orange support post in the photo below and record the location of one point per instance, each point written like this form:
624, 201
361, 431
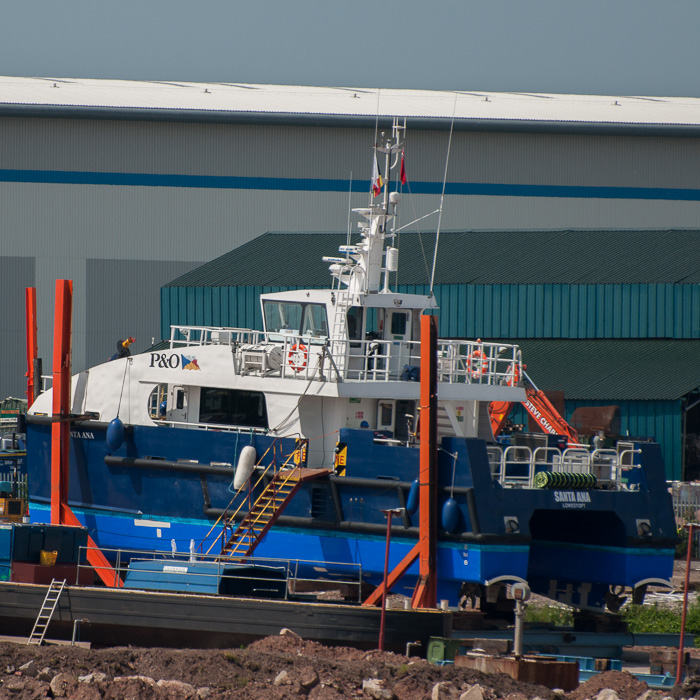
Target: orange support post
425, 550
61, 513
33, 383
425, 595
60, 429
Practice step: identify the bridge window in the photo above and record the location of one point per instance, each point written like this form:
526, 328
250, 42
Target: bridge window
295, 318
233, 407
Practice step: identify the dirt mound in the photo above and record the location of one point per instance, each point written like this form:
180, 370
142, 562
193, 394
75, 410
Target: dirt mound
283, 666
624, 684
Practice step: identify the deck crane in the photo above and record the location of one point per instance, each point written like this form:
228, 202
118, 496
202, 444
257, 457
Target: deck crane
539, 407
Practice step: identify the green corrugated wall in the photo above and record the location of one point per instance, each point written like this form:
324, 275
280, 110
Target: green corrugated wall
488, 311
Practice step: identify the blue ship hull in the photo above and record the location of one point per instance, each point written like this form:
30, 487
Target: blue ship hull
569, 546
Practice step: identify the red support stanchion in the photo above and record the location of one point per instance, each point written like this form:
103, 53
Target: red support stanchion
681, 643
389, 514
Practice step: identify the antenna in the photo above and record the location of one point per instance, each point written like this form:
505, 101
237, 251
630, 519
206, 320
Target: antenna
347, 240
442, 197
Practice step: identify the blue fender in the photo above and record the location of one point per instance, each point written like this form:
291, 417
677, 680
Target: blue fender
450, 515
413, 497
115, 434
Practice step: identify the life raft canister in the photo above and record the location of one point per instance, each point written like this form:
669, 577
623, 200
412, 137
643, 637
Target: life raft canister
477, 362
297, 357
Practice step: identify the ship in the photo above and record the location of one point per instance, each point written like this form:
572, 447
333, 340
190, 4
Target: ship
293, 443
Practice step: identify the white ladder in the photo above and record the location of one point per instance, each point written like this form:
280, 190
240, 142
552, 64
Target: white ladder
339, 337
46, 612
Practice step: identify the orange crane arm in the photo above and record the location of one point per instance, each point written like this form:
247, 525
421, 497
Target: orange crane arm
539, 407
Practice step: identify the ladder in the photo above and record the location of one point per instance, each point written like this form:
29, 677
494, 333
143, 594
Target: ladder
339, 337
266, 509
46, 613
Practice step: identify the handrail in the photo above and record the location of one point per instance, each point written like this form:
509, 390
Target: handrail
515, 466
368, 359
292, 566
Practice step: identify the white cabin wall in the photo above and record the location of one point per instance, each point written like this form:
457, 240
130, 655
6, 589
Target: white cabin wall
318, 416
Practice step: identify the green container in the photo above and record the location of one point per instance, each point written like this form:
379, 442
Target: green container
442, 649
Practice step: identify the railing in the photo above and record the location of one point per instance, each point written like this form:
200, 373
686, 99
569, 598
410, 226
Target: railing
217, 427
19, 482
305, 357
516, 466
292, 567
686, 501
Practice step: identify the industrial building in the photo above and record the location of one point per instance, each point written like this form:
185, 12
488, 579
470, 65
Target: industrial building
125, 186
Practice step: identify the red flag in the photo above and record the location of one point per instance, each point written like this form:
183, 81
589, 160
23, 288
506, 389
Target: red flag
377, 182
403, 170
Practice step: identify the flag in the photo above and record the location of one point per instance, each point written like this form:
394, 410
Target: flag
377, 182
403, 170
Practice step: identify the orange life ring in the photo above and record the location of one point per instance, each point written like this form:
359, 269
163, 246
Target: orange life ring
477, 363
297, 357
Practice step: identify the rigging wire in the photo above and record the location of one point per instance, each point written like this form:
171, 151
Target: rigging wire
121, 393
442, 196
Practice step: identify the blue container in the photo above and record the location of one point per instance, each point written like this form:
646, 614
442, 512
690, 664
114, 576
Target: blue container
6, 532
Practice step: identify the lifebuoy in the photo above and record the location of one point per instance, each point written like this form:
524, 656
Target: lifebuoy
477, 363
297, 357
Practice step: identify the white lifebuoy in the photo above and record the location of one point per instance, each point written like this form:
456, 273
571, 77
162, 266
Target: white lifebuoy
297, 357
245, 467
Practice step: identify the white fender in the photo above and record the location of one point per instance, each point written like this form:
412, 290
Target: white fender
245, 466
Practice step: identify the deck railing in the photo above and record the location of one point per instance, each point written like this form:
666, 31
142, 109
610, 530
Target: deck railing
294, 569
306, 357
516, 466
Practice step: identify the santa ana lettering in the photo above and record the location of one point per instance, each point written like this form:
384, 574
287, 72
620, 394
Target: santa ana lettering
572, 497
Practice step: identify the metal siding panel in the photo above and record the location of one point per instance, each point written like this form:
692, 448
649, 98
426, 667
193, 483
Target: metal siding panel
644, 325
523, 312
667, 315
188, 307
130, 290
575, 312
633, 312
495, 329
216, 306
16, 273
164, 309
539, 308
463, 323
488, 292
208, 307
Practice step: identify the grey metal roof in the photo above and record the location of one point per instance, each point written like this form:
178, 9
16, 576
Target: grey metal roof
614, 370
470, 257
221, 101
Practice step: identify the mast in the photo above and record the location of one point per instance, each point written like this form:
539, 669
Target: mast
362, 267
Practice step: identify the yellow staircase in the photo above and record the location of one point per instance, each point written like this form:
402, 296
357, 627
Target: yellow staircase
266, 509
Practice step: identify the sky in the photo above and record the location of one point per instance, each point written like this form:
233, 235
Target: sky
606, 47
